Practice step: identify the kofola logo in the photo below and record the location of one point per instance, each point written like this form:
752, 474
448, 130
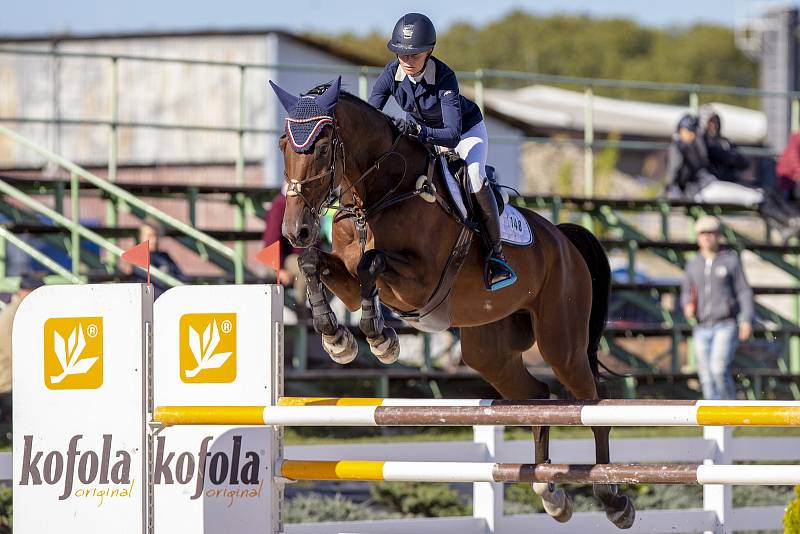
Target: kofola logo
226, 468
208, 347
73, 353
93, 470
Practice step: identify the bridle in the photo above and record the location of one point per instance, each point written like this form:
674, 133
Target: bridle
334, 195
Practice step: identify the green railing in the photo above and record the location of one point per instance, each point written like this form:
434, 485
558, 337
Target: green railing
8, 237
119, 195
479, 78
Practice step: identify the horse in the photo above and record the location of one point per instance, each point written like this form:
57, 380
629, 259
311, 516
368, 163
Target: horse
394, 242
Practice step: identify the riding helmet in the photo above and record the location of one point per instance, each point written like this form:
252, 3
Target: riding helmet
413, 33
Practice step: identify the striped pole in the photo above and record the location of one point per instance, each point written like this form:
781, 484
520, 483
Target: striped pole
422, 412
557, 473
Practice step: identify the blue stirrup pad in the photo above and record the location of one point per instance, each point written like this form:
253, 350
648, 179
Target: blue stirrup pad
508, 281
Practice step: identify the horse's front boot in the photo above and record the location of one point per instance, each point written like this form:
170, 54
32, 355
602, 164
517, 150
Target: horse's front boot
383, 341
341, 346
337, 340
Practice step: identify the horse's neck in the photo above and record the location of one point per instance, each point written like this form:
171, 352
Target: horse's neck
388, 172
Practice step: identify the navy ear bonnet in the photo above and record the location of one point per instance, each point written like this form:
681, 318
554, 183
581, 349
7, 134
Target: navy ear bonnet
309, 114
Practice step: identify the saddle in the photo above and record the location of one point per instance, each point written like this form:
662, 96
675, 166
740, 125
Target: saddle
450, 162
458, 203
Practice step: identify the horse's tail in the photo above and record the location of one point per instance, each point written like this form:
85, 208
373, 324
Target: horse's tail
597, 261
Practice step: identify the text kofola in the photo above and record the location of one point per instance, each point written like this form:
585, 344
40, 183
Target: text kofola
91, 468
230, 466
220, 467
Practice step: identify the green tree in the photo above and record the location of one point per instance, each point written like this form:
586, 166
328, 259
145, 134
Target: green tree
570, 45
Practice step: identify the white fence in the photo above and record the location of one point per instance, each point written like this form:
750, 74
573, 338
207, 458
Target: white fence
717, 515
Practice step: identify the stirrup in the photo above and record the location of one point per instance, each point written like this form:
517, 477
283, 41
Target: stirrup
504, 282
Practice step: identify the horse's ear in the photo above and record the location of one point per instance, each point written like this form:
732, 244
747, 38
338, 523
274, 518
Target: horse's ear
329, 98
287, 99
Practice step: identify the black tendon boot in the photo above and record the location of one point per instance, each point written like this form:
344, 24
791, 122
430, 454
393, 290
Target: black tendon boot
497, 273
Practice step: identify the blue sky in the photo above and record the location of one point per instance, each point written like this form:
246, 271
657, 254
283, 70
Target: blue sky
22, 17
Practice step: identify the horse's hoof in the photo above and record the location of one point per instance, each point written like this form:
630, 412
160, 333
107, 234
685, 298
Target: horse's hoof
341, 347
624, 517
387, 347
557, 504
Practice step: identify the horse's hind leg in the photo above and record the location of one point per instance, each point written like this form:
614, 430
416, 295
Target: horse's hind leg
337, 340
495, 351
619, 508
564, 348
383, 341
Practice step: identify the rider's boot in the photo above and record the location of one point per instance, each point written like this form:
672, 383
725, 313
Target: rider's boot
497, 272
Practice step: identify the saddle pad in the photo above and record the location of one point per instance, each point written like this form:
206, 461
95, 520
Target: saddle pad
514, 228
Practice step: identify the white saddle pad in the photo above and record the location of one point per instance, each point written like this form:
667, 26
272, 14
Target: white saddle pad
514, 228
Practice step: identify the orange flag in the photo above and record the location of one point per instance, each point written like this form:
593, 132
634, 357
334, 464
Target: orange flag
271, 257
139, 255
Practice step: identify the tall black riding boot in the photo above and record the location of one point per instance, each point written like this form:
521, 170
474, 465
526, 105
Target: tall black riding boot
498, 273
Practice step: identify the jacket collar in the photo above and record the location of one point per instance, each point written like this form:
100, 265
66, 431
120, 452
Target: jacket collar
429, 74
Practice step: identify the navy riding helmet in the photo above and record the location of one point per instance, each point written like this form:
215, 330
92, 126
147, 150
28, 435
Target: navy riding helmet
414, 33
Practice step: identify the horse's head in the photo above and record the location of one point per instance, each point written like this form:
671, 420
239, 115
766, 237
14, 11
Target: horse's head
309, 147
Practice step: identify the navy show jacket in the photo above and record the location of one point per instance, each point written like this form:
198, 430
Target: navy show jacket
434, 102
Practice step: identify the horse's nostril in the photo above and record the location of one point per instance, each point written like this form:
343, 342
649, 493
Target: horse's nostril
303, 234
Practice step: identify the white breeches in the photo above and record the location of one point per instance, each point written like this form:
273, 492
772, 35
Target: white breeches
729, 193
473, 148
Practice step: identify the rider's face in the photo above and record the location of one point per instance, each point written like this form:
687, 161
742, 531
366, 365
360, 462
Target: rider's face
413, 64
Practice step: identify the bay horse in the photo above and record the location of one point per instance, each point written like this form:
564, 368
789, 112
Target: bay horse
393, 245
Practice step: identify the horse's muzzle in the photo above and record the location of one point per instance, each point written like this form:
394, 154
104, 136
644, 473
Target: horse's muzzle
301, 235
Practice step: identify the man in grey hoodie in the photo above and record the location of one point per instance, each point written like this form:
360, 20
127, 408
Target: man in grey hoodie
715, 292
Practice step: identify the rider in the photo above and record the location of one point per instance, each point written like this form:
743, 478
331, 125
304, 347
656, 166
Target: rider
436, 113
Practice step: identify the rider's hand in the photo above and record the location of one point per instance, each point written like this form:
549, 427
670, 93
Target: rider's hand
407, 127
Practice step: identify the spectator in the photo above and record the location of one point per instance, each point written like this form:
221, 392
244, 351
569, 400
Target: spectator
151, 230
714, 292
27, 284
290, 271
788, 168
725, 161
690, 177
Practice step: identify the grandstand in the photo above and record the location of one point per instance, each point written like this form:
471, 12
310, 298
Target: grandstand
97, 132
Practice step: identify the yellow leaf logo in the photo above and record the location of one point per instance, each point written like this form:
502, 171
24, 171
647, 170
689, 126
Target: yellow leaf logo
208, 347
73, 353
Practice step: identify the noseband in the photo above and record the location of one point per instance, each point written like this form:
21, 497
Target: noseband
294, 187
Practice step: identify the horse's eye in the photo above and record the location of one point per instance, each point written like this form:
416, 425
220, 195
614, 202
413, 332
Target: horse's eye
323, 149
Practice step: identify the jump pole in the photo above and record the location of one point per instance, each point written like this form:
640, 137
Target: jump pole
421, 412
135, 418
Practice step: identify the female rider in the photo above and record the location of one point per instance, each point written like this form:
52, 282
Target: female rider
438, 114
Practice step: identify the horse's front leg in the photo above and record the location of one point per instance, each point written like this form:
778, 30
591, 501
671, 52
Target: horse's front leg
337, 340
383, 341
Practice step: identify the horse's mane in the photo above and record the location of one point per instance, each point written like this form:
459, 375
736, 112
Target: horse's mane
352, 99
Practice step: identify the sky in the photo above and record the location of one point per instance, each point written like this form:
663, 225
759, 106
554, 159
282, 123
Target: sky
36, 17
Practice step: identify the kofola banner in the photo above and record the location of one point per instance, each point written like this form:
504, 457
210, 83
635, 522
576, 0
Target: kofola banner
213, 348
79, 408
82, 357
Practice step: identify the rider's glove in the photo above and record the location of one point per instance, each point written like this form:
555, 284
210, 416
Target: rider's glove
409, 128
